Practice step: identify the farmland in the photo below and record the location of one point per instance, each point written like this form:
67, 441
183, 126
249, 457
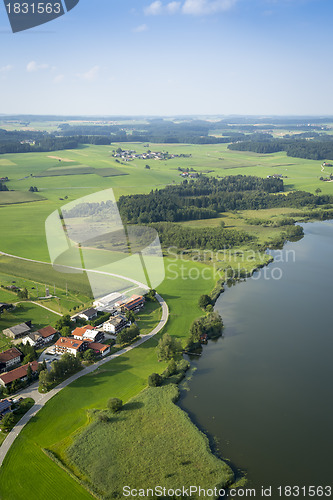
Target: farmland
62, 177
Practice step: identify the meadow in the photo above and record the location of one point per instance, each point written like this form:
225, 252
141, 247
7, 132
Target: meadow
162, 426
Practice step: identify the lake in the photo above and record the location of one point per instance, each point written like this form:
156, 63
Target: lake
264, 390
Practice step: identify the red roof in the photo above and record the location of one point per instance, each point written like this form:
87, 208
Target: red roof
46, 332
88, 327
69, 343
9, 355
79, 332
18, 373
95, 346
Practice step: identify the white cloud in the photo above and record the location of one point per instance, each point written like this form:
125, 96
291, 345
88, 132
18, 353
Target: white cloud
154, 9
202, 7
91, 74
6, 69
157, 8
32, 66
59, 78
140, 29
173, 7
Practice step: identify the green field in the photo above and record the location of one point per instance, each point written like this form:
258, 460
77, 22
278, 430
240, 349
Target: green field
162, 426
214, 160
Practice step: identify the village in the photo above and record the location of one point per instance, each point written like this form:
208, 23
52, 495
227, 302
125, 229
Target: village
130, 155
87, 339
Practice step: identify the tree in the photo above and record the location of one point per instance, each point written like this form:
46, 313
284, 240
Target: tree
8, 422
171, 368
128, 334
44, 380
115, 405
154, 380
318, 190
204, 301
29, 373
130, 316
168, 348
65, 331
89, 355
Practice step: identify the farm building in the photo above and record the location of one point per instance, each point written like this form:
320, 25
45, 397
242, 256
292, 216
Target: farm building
98, 348
109, 302
88, 314
9, 358
48, 333
18, 331
18, 374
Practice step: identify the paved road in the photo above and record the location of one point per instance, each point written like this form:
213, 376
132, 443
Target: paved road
41, 399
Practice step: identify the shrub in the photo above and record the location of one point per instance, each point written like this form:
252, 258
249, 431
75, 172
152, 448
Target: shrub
115, 405
154, 380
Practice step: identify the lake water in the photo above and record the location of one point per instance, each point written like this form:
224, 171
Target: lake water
264, 390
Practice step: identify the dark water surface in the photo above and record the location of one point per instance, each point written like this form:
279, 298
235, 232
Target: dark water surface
265, 389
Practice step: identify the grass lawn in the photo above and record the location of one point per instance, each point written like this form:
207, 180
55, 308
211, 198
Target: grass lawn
149, 426
25, 311
149, 317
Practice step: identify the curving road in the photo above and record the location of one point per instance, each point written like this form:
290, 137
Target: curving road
41, 399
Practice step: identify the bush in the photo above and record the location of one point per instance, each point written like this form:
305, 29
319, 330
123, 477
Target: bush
115, 405
154, 380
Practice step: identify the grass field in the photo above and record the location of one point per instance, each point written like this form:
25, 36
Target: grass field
163, 426
25, 311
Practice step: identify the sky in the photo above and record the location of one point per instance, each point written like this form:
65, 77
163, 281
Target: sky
170, 57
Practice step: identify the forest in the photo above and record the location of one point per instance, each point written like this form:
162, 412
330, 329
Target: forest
320, 148
208, 197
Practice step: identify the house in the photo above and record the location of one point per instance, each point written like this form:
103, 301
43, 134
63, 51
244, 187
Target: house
116, 324
18, 374
18, 331
100, 349
88, 333
5, 407
72, 346
135, 303
88, 314
9, 358
48, 333
33, 339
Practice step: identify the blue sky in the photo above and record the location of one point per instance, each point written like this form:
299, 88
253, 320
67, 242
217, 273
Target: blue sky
207, 57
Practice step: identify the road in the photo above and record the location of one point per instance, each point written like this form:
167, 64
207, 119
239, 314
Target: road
42, 399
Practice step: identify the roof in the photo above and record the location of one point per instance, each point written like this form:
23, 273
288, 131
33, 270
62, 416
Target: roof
96, 346
19, 329
88, 327
5, 405
18, 373
116, 320
69, 343
47, 332
9, 355
79, 332
89, 312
